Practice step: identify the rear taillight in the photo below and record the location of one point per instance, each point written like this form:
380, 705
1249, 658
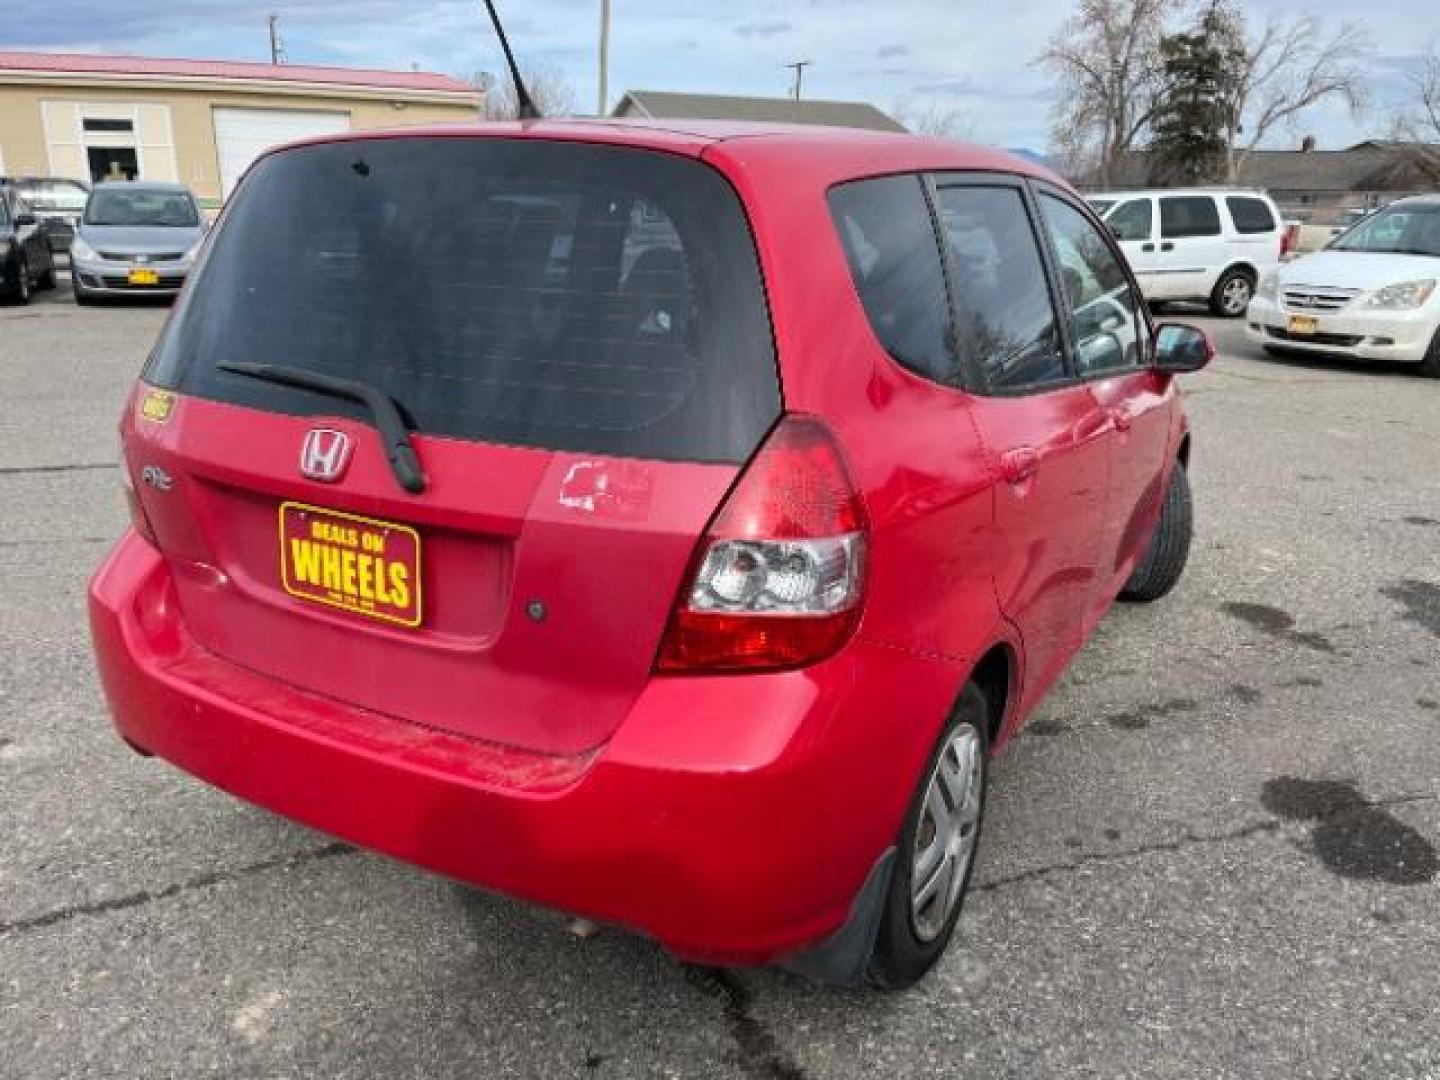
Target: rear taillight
778, 577
137, 512
1288, 239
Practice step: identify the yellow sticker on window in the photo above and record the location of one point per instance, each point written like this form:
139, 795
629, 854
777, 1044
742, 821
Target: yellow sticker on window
157, 406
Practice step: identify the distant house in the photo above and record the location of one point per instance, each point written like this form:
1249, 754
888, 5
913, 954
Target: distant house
1312, 184
654, 104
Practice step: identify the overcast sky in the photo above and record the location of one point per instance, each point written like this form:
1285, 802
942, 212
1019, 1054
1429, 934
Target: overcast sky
970, 56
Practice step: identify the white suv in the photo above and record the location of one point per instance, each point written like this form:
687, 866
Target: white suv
1209, 245
1373, 294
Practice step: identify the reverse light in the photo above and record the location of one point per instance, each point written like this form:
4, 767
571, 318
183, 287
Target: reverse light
779, 575
1402, 297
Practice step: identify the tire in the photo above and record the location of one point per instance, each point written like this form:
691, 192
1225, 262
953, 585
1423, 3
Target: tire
1159, 571
909, 942
47, 279
1233, 293
1430, 366
22, 290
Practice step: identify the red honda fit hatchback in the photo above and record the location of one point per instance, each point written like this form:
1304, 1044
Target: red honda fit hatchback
661, 522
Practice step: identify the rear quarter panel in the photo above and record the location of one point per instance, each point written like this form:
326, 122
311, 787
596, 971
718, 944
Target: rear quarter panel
913, 449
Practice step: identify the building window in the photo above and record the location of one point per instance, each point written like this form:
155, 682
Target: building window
96, 123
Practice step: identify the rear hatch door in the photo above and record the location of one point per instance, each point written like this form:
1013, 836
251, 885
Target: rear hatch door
577, 339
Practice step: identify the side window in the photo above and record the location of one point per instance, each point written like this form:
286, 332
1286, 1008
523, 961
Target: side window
1251, 216
1134, 220
1183, 216
890, 244
1007, 320
1103, 309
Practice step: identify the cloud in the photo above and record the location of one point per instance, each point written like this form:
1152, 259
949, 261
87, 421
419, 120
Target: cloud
764, 28
888, 52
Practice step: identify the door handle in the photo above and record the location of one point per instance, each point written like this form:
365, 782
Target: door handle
1122, 420
1020, 464
1147, 247
1167, 246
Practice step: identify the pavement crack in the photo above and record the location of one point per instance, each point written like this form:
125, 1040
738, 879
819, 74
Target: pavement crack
1191, 838
29, 470
760, 1057
148, 896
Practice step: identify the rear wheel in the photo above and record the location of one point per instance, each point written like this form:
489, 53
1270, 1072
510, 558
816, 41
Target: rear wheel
1169, 549
1233, 293
936, 850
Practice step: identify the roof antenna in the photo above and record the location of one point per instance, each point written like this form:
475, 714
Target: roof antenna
527, 109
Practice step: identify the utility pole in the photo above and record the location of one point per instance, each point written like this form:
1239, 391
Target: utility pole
799, 66
277, 48
604, 101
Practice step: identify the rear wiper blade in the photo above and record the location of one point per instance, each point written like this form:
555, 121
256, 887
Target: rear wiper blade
385, 411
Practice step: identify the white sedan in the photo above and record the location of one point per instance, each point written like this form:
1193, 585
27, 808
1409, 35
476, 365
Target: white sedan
1373, 294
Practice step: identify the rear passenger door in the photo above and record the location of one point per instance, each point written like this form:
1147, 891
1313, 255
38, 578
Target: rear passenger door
1042, 425
1111, 340
1193, 250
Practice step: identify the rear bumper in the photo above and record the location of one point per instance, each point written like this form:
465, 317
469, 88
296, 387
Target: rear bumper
733, 819
1402, 336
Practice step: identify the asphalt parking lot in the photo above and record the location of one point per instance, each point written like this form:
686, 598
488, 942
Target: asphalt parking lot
1214, 854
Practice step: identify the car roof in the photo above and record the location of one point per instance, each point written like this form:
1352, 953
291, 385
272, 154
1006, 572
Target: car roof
158, 186
1133, 193
841, 153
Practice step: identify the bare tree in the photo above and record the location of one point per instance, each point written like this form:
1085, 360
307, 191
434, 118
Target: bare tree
1416, 127
552, 93
936, 121
1289, 67
1106, 59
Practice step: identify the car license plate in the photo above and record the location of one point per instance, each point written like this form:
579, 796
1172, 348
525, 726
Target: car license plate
356, 564
144, 277
1304, 325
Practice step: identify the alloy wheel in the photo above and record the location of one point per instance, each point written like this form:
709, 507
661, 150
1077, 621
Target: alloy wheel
1236, 296
947, 833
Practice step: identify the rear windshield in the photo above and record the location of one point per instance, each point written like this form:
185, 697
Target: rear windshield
142, 209
583, 298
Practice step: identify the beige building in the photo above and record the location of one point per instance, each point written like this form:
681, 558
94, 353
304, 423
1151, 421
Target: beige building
197, 122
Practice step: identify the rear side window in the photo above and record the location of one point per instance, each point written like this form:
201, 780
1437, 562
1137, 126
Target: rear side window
582, 298
890, 244
1188, 215
1250, 215
1134, 220
1006, 317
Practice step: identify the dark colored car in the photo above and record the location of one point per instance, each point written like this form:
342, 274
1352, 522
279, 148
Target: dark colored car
25, 260
57, 204
661, 522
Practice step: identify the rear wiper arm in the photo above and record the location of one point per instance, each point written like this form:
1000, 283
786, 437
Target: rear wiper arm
399, 450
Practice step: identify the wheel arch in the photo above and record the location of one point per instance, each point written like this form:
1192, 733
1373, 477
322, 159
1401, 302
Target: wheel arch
996, 673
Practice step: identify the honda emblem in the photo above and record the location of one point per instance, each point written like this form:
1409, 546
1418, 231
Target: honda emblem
324, 454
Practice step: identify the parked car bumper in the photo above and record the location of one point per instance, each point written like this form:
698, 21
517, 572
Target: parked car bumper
1403, 336
734, 819
106, 278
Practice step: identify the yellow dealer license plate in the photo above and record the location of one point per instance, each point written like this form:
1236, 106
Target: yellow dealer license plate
353, 563
1304, 325
144, 277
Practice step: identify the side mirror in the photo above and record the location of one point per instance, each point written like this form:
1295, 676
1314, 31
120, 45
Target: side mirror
1180, 348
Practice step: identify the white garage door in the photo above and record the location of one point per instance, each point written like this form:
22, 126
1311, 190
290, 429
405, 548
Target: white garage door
242, 135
